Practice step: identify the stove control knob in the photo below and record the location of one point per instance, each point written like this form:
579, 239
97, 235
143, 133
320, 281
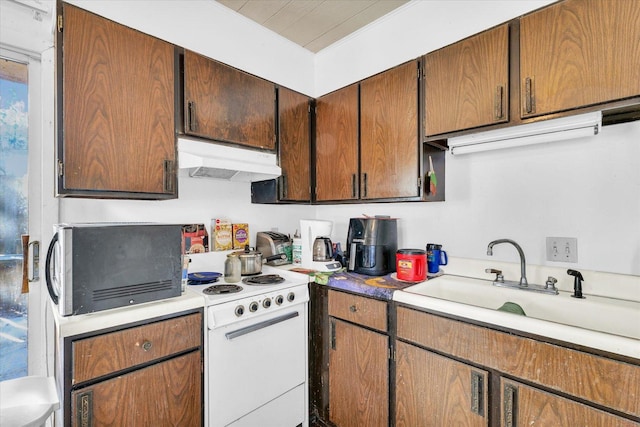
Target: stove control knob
291, 296
239, 310
279, 299
266, 303
253, 307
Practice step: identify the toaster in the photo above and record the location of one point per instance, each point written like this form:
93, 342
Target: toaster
271, 243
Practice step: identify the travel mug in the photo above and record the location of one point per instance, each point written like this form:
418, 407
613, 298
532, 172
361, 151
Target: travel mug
435, 257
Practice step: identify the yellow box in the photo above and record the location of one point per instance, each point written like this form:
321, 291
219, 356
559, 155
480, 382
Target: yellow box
240, 236
222, 235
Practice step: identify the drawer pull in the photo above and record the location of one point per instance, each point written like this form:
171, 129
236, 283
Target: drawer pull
353, 309
146, 346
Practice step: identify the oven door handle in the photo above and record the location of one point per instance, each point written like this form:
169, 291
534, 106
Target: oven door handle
247, 330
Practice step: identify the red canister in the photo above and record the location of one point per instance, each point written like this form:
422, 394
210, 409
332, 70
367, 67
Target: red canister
411, 265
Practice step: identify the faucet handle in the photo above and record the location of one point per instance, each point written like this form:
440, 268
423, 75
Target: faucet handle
550, 283
498, 273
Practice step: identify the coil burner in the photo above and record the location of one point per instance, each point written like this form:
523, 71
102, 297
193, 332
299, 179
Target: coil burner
266, 279
221, 289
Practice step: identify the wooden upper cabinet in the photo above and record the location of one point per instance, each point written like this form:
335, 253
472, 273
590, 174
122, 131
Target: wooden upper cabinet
295, 145
337, 145
577, 53
466, 83
225, 104
389, 137
117, 128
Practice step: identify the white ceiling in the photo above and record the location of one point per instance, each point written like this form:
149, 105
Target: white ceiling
313, 24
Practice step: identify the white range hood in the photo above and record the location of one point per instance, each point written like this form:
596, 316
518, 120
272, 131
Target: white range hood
210, 160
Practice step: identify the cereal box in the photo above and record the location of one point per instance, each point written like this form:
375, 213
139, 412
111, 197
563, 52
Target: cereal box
222, 235
195, 239
240, 236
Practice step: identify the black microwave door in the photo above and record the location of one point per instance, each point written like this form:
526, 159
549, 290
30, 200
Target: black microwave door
120, 265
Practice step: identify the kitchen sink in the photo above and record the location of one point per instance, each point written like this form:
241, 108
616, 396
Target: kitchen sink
605, 323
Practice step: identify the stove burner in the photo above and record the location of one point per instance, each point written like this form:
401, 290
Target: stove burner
267, 279
222, 289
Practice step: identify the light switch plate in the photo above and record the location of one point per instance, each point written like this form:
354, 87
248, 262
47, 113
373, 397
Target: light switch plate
562, 249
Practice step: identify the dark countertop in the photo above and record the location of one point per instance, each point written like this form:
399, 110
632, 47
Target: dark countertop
374, 286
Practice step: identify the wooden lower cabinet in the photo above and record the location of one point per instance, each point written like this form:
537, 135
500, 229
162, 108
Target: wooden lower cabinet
433, 390
522, 405
358, 377
165, 394
145, 374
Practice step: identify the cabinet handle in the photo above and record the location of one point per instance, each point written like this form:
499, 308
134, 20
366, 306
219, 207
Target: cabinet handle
169, 177
353, 186
528, 95
84, 409
146, 346
364, 179
477, 393
509, 405
191, 119
25, 264
332, 334
499, 101
353, 309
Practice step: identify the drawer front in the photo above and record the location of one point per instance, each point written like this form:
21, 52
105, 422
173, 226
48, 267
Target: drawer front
594, 378
353, 308
115, 351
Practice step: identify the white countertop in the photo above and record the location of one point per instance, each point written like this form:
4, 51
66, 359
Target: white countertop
83, 323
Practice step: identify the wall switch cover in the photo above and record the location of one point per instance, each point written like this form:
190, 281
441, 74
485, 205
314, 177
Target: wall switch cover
562, 249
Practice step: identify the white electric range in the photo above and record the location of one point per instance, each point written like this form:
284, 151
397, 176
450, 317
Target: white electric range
256, 357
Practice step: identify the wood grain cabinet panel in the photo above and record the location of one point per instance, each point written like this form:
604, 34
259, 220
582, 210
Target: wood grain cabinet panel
433, 390
294, 145
336, 149
466, 83
358, 377
389, 156
580, 374
522, 405
225, 104
117, 136
103, 354
164, 394
578, 53
361, 310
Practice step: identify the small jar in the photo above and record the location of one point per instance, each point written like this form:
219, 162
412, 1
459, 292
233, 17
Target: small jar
232, 269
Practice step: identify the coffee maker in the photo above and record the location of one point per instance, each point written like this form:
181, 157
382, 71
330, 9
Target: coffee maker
372, 243
317, 248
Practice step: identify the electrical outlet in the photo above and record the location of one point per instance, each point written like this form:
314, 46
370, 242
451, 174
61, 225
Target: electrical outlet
562, 249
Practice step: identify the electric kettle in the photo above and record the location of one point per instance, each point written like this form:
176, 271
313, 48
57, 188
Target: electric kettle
322, 249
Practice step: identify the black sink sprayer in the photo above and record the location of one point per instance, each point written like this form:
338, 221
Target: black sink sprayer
577, 283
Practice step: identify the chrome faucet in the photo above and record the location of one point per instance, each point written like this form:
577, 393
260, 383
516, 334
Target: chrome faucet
548, 288
523, 267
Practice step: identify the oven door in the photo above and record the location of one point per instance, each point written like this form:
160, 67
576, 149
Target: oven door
252, 363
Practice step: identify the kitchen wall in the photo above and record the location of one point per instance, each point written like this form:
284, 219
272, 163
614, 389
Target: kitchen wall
588, 189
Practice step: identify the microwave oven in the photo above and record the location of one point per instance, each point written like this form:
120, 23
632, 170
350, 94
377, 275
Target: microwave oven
99, 266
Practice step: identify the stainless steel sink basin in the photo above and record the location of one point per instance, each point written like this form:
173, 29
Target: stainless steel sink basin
614, 322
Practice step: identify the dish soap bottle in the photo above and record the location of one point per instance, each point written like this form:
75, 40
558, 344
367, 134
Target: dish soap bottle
232, 269
297, 249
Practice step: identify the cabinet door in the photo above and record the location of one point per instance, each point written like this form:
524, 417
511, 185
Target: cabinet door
522, 405
466, 83
358, 376
578, 53
164, 394
389, 134
118, 132
433, 390
226, 104
337, 145
295, 146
